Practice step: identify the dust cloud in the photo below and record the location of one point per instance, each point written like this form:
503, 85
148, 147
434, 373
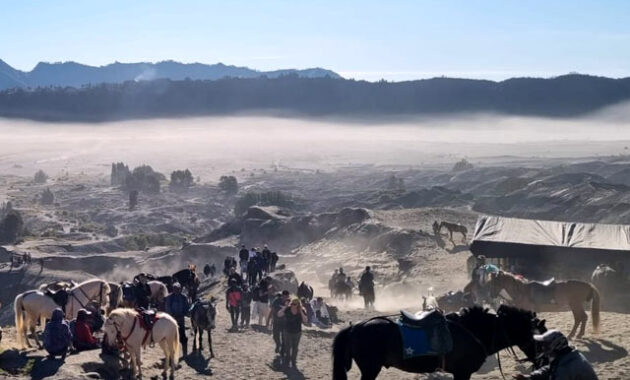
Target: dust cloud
231, 143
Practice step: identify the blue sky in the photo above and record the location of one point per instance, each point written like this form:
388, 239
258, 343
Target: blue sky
394, 40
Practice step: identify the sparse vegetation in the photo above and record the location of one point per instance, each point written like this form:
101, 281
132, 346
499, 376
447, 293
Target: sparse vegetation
47, 197
11, 227
133, 199
119, 174
181, 180
40, 177
228, 184
462, 165
145, 179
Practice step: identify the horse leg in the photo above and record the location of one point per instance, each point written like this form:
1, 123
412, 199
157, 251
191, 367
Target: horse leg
575, 320
210, 343
369, 371
194, 347
134, 366
139, 361
201, 340
461, 376
167, 356
583, 320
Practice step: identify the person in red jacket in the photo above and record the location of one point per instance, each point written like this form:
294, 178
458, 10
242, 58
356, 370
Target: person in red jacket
84, 340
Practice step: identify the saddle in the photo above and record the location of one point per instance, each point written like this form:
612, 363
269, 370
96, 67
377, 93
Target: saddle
542, 292
60, 297
147, 318
423, 319
545, 283
424, 334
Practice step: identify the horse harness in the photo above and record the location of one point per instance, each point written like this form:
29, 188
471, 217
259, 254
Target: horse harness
121, 340
88, 299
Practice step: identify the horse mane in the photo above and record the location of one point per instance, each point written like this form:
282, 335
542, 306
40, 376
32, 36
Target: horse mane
93, 280
507, 310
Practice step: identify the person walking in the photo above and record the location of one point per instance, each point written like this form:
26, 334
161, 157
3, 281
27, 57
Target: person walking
280, 301
246, 306
366, 288
267, 256
57, 335
243, 256
177, 307
262, 304
233, 298
293, 317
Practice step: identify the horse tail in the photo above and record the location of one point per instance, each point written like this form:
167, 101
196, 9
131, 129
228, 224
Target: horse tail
595, 307
18, 309
342, 357
175, 344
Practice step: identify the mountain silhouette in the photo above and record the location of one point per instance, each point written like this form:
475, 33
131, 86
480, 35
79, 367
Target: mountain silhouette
299, 94
76, 75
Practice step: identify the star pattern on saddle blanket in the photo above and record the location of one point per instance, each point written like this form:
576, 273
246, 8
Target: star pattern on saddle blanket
409, 351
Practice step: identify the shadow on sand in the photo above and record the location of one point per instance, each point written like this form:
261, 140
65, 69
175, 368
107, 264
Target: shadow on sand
602, 350
291, 373
19, 363
199, 363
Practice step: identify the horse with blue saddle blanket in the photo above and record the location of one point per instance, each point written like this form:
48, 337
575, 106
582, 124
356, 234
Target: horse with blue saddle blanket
457, 343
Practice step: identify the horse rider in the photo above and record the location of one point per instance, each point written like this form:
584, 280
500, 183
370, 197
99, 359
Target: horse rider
142, 292
366, 287
243, 256
565, 362
177, 307
341, 277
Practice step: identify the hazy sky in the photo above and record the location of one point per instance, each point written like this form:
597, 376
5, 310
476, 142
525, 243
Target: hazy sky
394, 40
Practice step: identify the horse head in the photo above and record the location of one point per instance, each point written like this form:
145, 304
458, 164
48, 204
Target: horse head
519, 327
113, 326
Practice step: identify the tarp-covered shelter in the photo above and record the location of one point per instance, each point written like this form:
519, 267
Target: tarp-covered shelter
499, 237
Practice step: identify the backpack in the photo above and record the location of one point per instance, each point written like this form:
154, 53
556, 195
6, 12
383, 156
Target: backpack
234, 298
256, 294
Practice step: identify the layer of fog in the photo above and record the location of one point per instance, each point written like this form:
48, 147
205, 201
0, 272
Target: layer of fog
230, 143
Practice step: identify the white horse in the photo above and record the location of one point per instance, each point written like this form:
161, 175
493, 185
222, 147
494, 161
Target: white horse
33, 305
159, 291
123, 326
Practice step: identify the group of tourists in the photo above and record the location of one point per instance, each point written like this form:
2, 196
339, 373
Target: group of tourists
62, 336
253, 264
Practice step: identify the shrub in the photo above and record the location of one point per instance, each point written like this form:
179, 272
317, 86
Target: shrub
40, 177
119, 174
462, 165
228, 184
181, 179
11, 227
47, 197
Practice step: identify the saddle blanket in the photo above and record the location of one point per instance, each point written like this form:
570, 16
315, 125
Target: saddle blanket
428, 341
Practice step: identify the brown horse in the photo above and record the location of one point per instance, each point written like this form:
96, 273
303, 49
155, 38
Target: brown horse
451, 228
527, 294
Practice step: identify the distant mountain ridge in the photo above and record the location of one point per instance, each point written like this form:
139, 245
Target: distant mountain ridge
76, 75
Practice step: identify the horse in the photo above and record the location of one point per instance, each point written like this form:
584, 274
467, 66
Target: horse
115, 297
168, 281
452, 301
305, 291
158, 294
476, 334
453, 227
574, 293
342, 289
202, 317
188, 279
124, 327
34, 305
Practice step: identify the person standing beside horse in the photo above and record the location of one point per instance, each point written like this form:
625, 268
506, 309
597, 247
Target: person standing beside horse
177, 307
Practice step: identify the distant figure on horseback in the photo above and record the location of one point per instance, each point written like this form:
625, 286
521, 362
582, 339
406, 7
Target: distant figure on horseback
453, 227
142, 292
366, 288
341, 285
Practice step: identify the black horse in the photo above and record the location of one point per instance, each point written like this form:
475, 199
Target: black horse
476, 333
188, 279
305, 291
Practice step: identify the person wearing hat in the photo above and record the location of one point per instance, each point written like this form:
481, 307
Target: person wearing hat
176, 305
565, 362
84, 340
